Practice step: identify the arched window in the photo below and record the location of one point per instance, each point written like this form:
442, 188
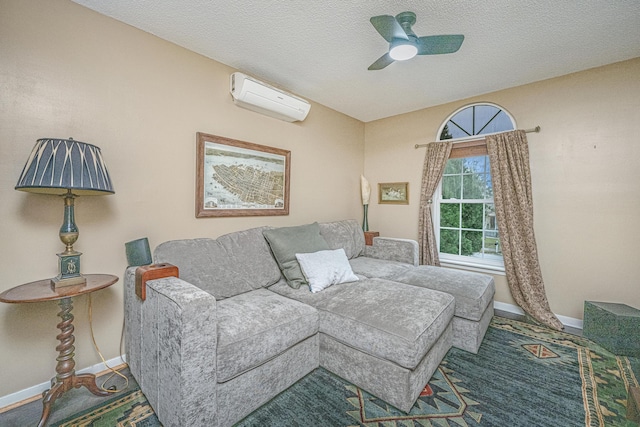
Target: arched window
476, 119
464, 213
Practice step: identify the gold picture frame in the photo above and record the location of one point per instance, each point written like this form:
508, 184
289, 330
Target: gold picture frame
239, 178
393, 193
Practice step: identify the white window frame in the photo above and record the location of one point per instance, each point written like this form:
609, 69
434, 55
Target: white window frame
460, 261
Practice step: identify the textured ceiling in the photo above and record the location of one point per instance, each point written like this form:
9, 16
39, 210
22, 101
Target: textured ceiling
321, 49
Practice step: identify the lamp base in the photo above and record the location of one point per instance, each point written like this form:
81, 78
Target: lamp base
69, 267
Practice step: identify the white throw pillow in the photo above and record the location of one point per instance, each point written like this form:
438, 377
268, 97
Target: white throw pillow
325, 268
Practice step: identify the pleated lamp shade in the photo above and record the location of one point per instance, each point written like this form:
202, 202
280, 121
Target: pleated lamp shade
57, 165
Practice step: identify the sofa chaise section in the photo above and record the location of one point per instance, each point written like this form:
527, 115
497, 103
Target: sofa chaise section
473, 292
386, 337
383, 336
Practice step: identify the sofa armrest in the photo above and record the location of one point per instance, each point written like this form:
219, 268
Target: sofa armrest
393, 249
171, 348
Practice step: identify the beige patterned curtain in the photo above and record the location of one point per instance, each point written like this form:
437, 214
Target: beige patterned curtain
509, 158
434, 162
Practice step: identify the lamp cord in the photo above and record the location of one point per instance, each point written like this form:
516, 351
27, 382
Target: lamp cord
95, 345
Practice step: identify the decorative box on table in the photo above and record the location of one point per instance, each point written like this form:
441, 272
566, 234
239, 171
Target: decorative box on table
614, 326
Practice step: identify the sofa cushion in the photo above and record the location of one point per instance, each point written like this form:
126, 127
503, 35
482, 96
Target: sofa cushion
346, 234
378, 268
389, 320
304, 294
286, 242
257, 326
325, 268
230, 265
473, 291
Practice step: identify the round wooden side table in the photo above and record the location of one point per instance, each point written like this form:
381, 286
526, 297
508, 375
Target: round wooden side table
43, 290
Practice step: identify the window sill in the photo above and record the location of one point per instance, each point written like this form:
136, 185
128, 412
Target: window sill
469, 266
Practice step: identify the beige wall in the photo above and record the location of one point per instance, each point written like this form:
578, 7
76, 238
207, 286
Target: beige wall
68, 72
585, 174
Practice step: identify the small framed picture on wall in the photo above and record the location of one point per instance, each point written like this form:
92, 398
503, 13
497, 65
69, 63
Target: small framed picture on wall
393, 193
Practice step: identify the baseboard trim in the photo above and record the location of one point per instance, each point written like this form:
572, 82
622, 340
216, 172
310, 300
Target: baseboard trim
35, 392
566, 321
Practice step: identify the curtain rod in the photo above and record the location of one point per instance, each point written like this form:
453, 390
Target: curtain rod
535, 129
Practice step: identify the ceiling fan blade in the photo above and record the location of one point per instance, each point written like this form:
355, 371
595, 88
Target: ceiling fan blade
436, 45
382, 62
388, 27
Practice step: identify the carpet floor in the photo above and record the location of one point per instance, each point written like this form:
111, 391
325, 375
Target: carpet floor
523, 375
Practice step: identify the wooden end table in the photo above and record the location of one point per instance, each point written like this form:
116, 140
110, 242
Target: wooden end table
66, 378
368, 237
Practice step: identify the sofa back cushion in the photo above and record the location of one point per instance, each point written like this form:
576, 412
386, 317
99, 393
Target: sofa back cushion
345, 234
229, 265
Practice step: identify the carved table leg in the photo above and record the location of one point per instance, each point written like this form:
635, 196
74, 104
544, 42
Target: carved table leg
66, 377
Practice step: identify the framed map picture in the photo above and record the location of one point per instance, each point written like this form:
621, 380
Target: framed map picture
396, 193
237, 178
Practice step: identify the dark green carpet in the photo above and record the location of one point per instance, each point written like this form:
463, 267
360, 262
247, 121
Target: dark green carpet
523, 375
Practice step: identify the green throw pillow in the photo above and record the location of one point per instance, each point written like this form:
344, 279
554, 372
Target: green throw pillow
286, 242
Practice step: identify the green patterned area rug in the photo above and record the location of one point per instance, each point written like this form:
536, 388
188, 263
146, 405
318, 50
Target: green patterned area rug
523, 375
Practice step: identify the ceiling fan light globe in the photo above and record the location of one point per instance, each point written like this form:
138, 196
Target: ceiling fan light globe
402, 51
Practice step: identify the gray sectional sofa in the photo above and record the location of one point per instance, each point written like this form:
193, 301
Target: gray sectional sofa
241, 325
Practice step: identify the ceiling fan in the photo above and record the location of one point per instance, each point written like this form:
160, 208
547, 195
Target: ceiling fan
404, 44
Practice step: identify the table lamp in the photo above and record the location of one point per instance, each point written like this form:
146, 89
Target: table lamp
68, 168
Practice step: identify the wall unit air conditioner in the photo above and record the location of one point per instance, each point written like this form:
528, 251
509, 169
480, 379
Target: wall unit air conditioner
258, 96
